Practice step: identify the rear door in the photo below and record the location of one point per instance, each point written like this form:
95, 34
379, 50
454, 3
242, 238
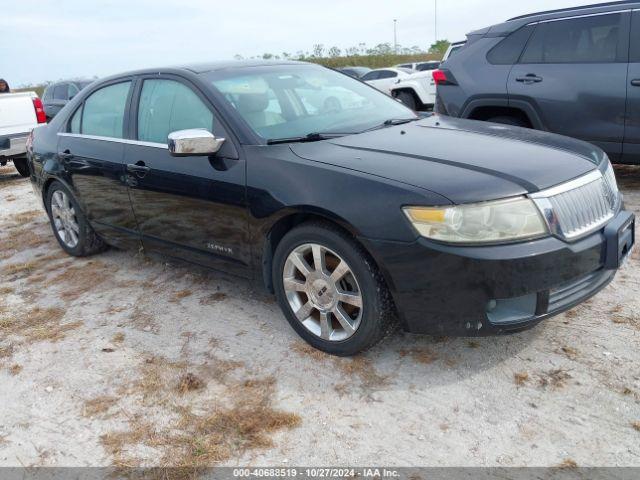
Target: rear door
192, 208
91, 149
574, 73
631, 148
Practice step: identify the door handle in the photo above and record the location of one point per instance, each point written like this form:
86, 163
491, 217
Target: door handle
529, 78
635, 82
139, 168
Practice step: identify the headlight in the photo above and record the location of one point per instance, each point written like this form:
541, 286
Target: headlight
488, 222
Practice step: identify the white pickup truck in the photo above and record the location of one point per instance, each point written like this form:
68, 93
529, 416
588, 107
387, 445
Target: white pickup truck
418, 90
19, 114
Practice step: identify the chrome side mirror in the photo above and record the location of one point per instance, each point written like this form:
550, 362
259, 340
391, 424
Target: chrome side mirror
185, 143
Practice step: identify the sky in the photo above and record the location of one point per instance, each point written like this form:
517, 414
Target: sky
47, 40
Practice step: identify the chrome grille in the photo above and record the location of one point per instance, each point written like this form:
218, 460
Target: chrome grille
581, 206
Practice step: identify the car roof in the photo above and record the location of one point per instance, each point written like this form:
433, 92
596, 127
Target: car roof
198, 68
511, 25
579, 9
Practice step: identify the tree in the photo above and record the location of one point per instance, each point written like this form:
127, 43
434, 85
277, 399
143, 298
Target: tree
334, 52
440, 47
318, 50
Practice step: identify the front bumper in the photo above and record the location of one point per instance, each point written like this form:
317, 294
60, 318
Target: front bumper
13, 146
478, 291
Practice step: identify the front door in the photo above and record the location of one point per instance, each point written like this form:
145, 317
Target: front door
92, 152
574, 71
191, 208
631, 148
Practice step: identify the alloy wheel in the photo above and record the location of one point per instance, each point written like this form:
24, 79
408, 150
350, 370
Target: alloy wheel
323, 292
64, 219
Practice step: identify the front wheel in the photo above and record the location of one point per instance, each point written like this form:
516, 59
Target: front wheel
330, 290
69, 224
408, 99
21, 166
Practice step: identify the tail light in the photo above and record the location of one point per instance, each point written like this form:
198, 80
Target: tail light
39, 108
443, 77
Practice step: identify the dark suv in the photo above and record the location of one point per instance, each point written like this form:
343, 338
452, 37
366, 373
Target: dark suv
58, 94
574, 71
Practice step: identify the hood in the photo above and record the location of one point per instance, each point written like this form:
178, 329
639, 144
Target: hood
463, 160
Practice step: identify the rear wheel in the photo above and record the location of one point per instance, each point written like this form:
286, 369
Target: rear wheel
408, 98
330, 291
508, 120
21, 166
69, 224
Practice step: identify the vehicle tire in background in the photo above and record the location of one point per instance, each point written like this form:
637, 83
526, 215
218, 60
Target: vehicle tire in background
507, 120
330, 290
69, 224
21, 166
408, 99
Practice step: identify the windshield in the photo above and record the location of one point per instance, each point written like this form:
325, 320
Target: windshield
290, 101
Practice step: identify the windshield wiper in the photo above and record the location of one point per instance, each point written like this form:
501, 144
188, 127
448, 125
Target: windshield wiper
311, 137
391, 122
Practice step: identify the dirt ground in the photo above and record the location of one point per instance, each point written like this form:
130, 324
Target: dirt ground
124, 360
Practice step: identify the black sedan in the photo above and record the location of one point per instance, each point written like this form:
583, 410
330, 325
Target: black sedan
356, 213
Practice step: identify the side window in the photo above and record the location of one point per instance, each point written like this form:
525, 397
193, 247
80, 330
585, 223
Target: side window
634, 48
388, 74
48, 94
167, 106
371, 76
60, 91
74, 126
104, 111
72, 91
508, 51
595, 39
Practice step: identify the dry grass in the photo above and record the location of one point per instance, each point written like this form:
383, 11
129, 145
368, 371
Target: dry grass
570, 352
7, 290
521, 378
224, 426
180, 294
636, 425
555, 378
98, 405
25, 238
473, 344
305, 350
360, 367
15, 369
631, 320
213, 298
118, 338
141, 320
80, 279
571, 314
420, 355
27, 217
36, 325
189, 383
568, 463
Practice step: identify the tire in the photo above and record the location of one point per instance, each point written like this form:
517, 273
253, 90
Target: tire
408, 99
507, 120
87, 241
368, 324
22, 166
